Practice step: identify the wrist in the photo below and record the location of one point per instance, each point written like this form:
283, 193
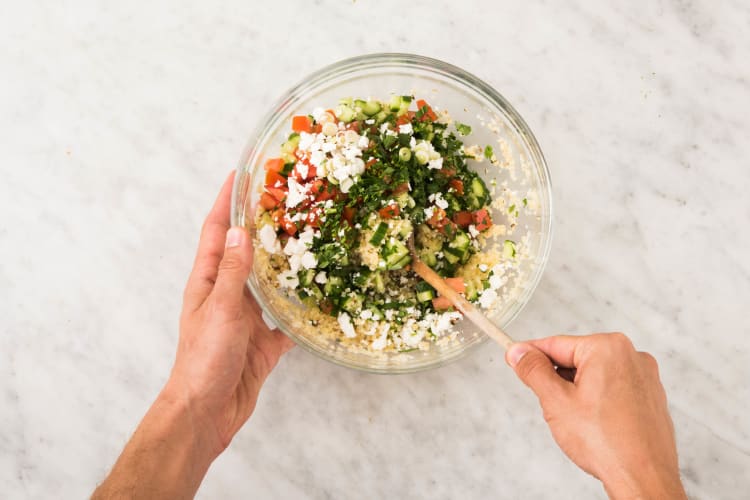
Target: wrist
644, 482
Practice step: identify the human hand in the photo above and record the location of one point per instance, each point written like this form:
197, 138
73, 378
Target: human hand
225, 351
612, 418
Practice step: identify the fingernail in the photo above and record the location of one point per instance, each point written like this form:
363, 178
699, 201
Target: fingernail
234, 237
515, 353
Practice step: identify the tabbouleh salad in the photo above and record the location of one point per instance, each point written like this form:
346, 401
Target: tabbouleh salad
340, 202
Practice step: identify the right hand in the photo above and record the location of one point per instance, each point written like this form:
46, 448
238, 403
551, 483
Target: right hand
612, 419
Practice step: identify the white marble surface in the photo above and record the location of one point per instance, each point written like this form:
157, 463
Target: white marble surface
118, 124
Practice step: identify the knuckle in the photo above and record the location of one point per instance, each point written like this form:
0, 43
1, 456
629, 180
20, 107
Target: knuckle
529, 365
231, 262
650, 361
621, 340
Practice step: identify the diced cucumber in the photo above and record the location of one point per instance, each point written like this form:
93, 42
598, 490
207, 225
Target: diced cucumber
509, 249
352, 303
424, 291
479, 190
405, 201
379, 234
396, 255
453, 202
451, 254
362, 277
306, 277
400, 104
425, 296
344, 113
376, 280
334, 285
471, 291
460, 243
381, 117
428, 257
371, 108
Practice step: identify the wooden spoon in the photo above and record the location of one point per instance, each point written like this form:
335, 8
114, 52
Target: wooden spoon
463, 305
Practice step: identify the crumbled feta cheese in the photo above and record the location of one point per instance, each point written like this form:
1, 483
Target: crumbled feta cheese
379, 343
405, 128
428, 212
435, 164
365, 314
473, 231
370, 121
294, 247
296, 194
321, 277
487, 298
309, 261
268, 239
302, 168
346, 325
483, 267
440, 201
363, 142
288, 279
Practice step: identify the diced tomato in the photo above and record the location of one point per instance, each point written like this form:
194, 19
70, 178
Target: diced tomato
441, 303
353, 125
274, 165
317, 128
401, 188
457, 284
463, 219
371, 162
458, 185
389, 211
322, 190
278, 193
438, 218
268, 202
302, 123
288, 226
310, 173
326, 306
313, 217
275, 179
429, 114
348, 215
448, 228
405, 118
482, 219
448, 172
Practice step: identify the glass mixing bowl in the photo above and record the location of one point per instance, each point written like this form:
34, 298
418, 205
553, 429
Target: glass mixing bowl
469, 100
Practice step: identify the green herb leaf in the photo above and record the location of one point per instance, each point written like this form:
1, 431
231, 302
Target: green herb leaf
488, 153
463, 129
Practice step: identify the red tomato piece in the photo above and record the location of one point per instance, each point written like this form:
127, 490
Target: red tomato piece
441, 303
268, 202
348, 215
302, 123
313, 217
438, 218
275, 179
482, 219
278, 193
274, 164
463, 219
389, 211
457, 185
429, 114
401, 188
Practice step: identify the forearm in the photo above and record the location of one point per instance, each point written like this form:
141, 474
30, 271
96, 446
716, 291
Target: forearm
167, 457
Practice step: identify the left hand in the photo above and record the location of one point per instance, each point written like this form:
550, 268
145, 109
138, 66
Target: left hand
225, 350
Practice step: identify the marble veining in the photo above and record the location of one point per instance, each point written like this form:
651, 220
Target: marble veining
118, 123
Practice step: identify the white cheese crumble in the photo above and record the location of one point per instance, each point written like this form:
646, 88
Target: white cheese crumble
321, 277
345, 323
296, 194
406, 128
267, 235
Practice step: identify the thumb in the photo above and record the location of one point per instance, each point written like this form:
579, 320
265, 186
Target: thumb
234, 269
536, 370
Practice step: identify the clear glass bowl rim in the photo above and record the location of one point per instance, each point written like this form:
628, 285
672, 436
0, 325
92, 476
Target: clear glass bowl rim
458, 75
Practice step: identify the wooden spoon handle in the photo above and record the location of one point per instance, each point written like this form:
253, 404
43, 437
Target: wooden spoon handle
463, 305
